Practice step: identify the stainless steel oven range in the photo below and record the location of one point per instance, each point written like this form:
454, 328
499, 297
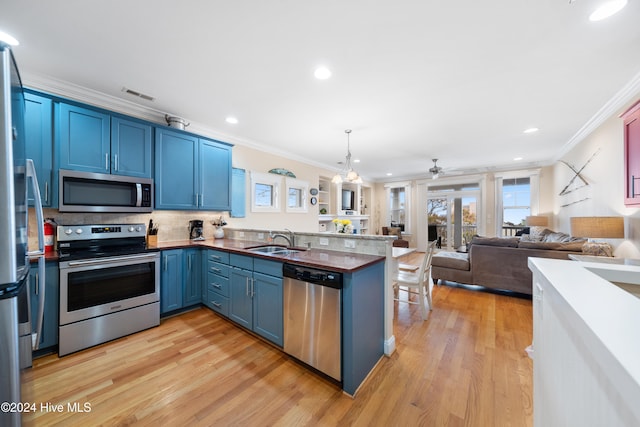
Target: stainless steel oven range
109, 284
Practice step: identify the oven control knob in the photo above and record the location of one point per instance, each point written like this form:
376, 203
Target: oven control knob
68, 231
138, 229
131, 229
79, 231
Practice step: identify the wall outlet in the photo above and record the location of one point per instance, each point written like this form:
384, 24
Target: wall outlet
323, 241
241, 234
260, 236
351, 244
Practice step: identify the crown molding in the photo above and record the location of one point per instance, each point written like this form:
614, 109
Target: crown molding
108, 102
612, 107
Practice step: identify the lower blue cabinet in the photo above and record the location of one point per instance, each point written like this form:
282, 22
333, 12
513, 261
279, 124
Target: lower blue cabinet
171, 280
255, 300
192, 291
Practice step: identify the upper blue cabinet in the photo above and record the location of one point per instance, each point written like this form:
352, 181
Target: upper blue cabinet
39, 139
92, 141
191, 173
131, 148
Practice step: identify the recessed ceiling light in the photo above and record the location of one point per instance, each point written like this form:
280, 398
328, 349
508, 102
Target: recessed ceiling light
389, 174
607, 9
530, 130
517, 159
322, 73
356, 160
231, 120
8, 39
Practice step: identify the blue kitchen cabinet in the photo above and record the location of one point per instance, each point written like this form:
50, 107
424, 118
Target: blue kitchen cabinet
214, 175
176, 178
49, 337
215, 290
171, 281
240, 299
192, 292
94, 141
191, 173
39, 143
84, 139
267, 303
131, 148
255, 300
238, 193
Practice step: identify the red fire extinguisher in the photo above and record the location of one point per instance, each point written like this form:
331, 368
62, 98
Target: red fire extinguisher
49, 230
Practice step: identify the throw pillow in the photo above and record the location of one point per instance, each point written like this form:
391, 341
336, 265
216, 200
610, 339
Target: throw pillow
527, 238
561, 237
509, 242
537, 233
556, 246
597, 249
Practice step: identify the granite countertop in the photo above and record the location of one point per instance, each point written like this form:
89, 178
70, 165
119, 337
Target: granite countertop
315, 257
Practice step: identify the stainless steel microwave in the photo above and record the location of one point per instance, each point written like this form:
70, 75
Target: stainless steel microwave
98, 192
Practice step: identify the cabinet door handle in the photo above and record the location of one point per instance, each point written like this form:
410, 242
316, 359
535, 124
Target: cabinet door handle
214, 257
253, 281
46, 191
215, 285
202, 199
217, 304
189, 263
215, 270
106, 161
165, 263
116, 161
37, 278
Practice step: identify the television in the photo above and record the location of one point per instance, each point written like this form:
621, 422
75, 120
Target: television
348, 200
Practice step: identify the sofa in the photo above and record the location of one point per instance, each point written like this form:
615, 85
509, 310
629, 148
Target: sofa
501, 263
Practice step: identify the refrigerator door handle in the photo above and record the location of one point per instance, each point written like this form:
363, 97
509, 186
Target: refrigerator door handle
31, 173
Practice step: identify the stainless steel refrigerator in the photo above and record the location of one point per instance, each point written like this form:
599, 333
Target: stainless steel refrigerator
16, 176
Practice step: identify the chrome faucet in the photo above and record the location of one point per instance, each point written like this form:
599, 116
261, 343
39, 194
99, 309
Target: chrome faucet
291, 238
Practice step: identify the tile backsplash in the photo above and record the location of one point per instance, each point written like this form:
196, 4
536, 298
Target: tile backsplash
173, 225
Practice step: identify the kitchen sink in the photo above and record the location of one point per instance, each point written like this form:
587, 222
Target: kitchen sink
275, 250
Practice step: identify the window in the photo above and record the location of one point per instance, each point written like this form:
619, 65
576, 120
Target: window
516, 198
452, 213
398, 199
265, 192
516, 201
297, 195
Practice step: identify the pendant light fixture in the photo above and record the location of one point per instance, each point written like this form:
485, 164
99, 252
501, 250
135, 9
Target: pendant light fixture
347, 173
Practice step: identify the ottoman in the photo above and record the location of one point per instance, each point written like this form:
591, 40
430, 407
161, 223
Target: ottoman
451, 266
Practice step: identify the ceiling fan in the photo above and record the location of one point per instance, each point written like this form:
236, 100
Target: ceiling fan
437, 171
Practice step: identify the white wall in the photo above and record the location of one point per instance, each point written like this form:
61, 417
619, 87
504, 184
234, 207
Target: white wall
604, 196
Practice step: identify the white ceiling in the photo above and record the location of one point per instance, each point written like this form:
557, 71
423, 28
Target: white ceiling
457, 80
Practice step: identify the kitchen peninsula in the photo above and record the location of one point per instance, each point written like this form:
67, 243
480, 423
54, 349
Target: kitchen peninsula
363, 292
585, 343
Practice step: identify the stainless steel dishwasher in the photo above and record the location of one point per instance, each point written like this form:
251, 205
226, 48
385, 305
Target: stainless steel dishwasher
312, 317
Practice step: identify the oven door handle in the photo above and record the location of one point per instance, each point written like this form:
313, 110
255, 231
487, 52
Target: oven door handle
112, 260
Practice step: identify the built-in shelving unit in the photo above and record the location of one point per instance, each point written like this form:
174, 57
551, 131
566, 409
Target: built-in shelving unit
330, 206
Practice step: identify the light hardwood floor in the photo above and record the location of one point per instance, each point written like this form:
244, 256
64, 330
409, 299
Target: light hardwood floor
465, 365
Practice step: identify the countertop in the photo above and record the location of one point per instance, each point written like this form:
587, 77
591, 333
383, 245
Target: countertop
611, 314
318, 258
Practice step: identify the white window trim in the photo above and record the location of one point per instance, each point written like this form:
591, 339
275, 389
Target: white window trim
304, 187
407, 207
534, 190
275, 181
